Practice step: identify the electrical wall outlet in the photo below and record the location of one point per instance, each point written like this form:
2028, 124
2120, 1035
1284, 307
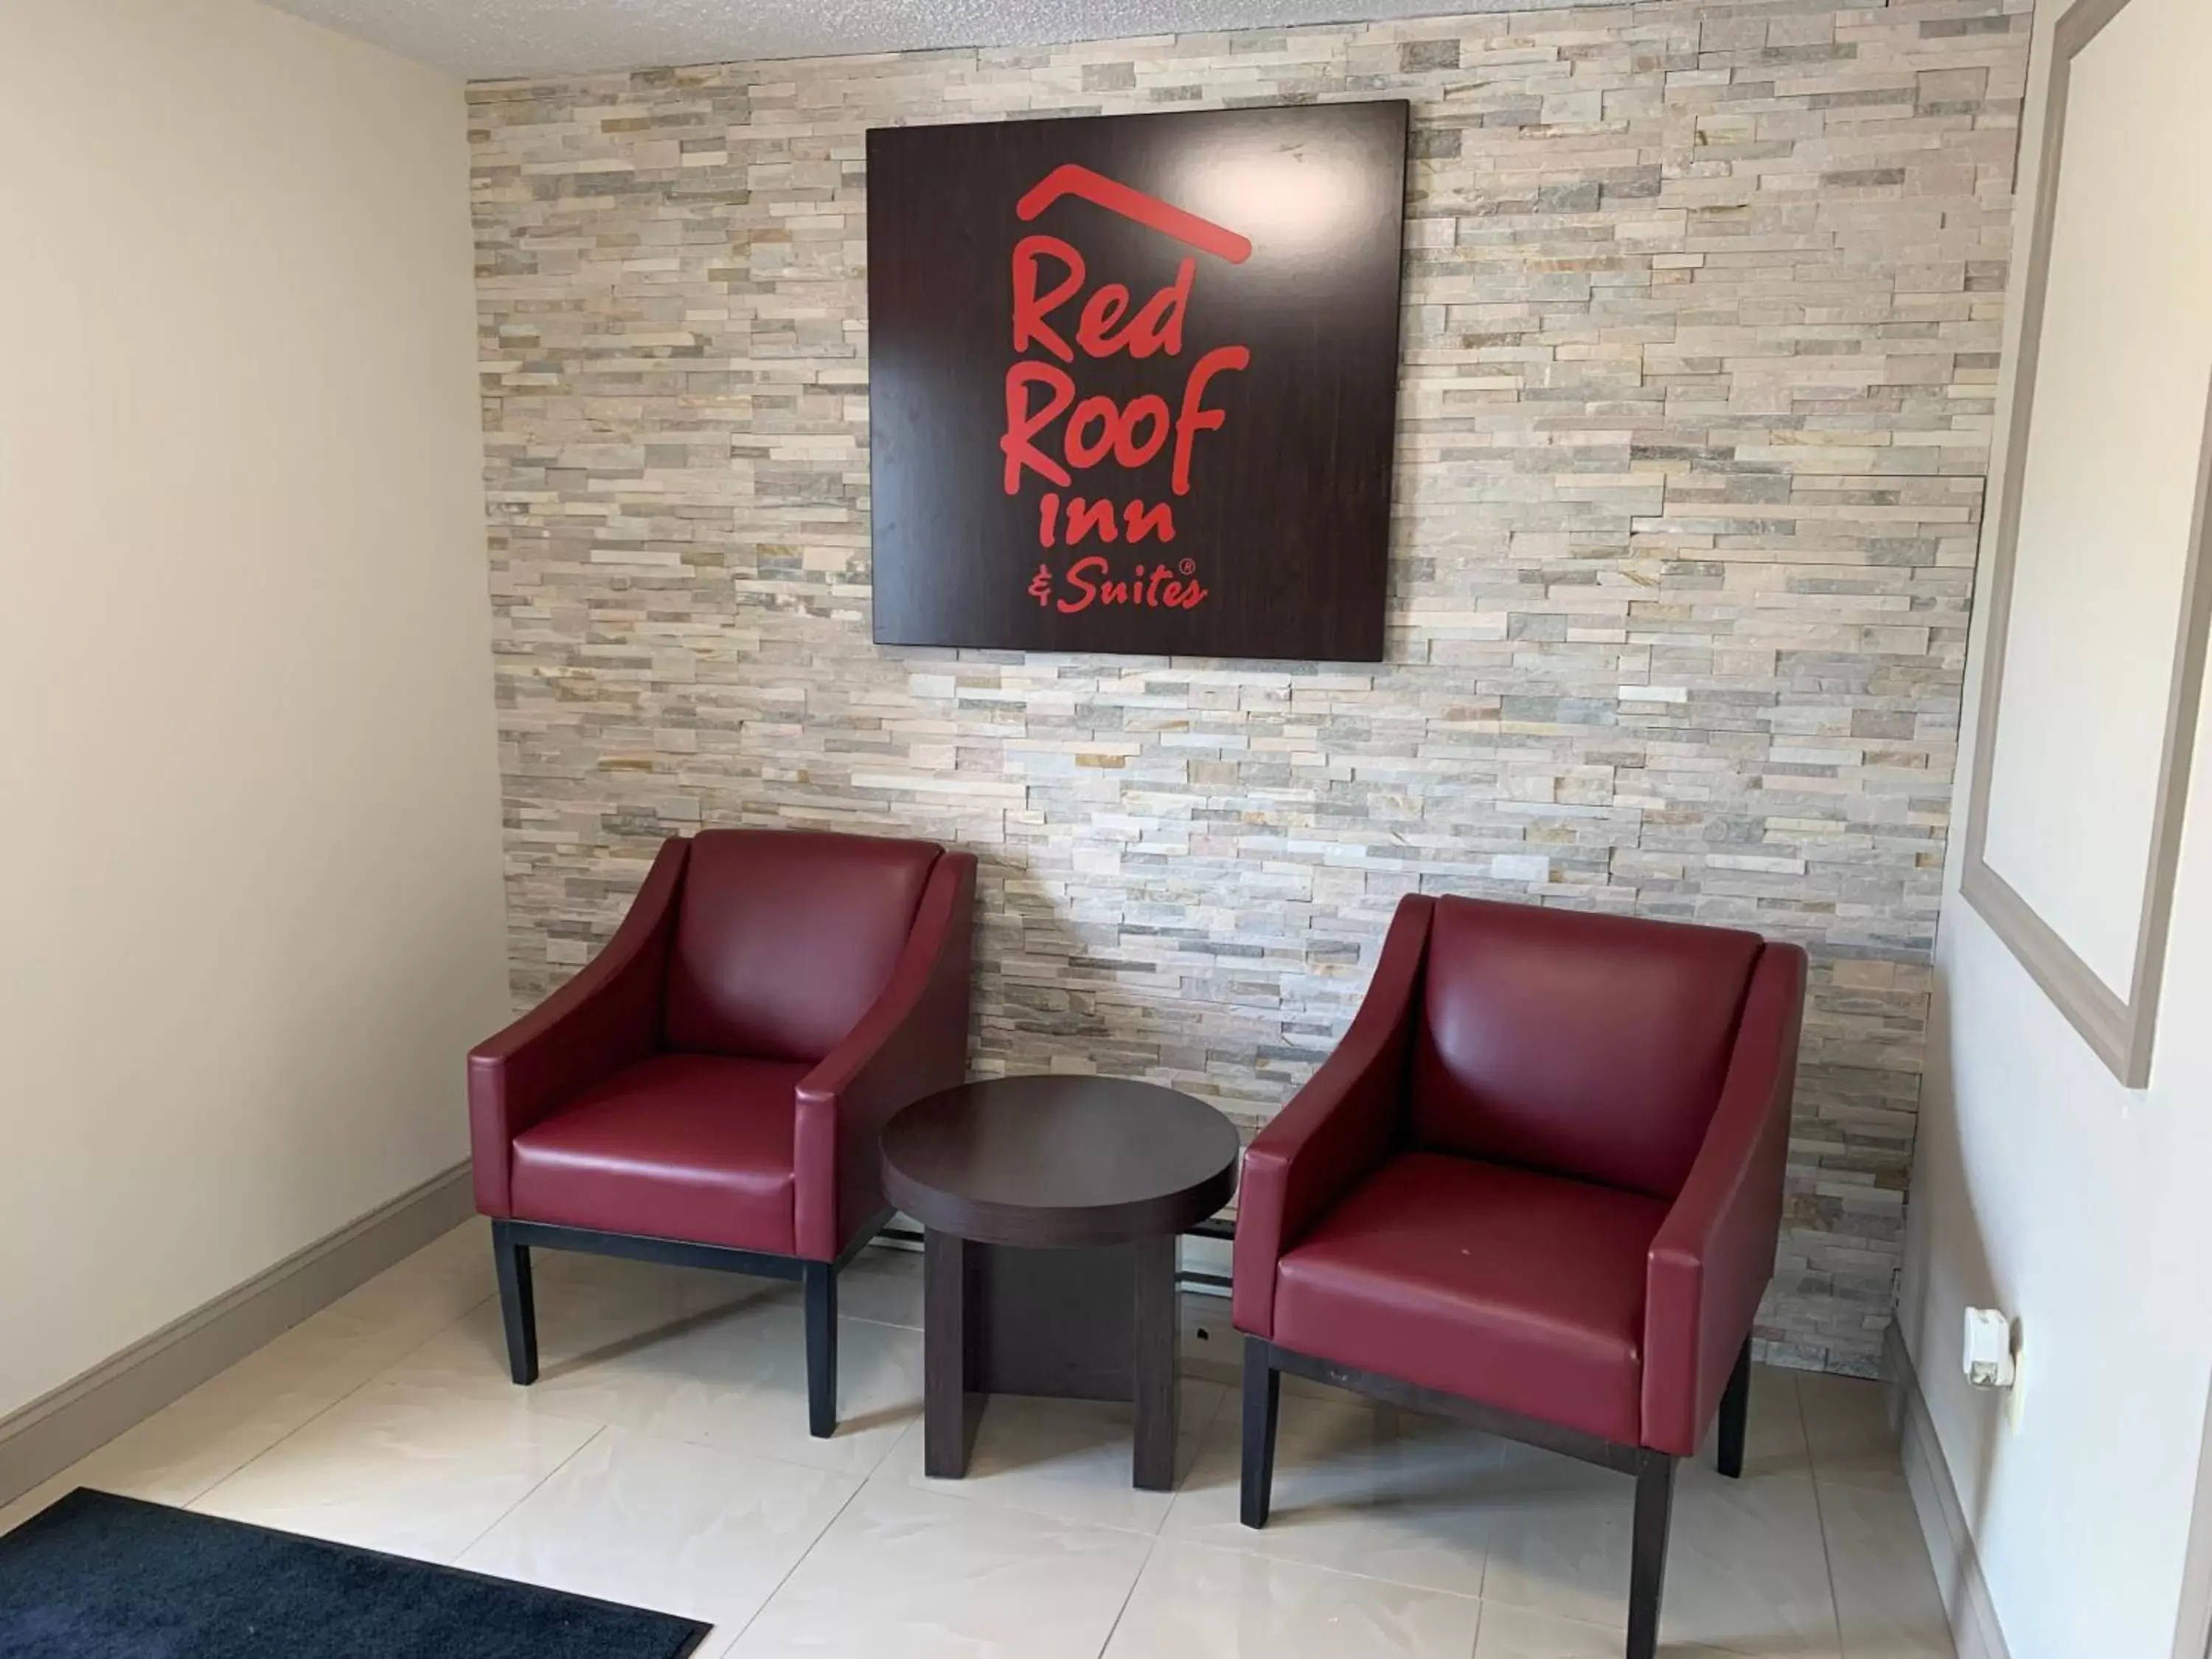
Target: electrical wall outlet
1986, 1351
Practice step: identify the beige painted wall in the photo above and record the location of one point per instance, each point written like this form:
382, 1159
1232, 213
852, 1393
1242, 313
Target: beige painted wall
251, 820
2043, 1186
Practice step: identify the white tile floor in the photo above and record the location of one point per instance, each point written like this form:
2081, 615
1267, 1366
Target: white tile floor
663, 1460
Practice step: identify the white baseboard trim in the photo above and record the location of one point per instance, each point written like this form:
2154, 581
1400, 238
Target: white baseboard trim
1974, 1614
56, 1429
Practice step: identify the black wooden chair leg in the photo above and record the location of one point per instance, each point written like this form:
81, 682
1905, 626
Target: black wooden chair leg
1263, 1398
1647, 1572
518, 1304
1735, 1411
821, 1278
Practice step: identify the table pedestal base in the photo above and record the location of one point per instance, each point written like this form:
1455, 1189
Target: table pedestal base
1068, 1324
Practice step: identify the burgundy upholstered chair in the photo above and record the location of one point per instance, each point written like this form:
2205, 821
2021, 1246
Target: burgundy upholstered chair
1538, 1185
710, 1090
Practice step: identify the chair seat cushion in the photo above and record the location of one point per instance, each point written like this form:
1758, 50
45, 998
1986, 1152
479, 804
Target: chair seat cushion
1520, 1291
689, 1146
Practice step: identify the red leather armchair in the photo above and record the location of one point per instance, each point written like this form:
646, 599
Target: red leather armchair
1537, 1185
710, 1089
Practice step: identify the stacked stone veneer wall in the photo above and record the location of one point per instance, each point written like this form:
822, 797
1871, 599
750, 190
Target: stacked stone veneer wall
1702, 311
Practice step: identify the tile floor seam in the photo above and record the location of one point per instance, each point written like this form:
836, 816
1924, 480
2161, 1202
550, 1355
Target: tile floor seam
864, 1475
493, 1527
288, 1436
999, 1506
1828, 1561
804, 1556
1489, 1559
1349, 1572
485, 1300
556, 1412
194, 1494
366, 1382
1820, 1515
1259, 1553
1121, 1612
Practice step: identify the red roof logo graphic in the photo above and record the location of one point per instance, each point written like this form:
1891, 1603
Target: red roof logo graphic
1166, 217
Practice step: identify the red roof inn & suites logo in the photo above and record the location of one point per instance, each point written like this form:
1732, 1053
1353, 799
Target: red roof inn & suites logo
1188, 412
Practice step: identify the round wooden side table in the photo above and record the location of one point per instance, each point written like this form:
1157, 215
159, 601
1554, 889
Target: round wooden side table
1050, 1208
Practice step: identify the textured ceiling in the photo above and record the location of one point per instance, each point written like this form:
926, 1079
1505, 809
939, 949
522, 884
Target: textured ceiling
491, 40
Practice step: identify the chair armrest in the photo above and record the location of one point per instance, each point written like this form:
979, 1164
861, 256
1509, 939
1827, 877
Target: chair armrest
912, 1041
1714, 1253
606, 1017
1336, 1129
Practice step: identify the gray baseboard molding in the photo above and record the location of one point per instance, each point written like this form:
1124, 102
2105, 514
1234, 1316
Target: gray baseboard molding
56, 1429
1973, 1615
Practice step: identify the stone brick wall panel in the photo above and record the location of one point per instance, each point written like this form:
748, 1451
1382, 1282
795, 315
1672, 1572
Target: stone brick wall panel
1702, 315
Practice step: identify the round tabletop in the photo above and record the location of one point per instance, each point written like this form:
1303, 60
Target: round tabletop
1061, 1162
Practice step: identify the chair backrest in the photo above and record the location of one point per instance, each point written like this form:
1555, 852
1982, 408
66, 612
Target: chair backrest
1577, 1044
784, 940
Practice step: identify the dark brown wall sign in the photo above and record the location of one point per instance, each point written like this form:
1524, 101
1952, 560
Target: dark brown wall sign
1133, 380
